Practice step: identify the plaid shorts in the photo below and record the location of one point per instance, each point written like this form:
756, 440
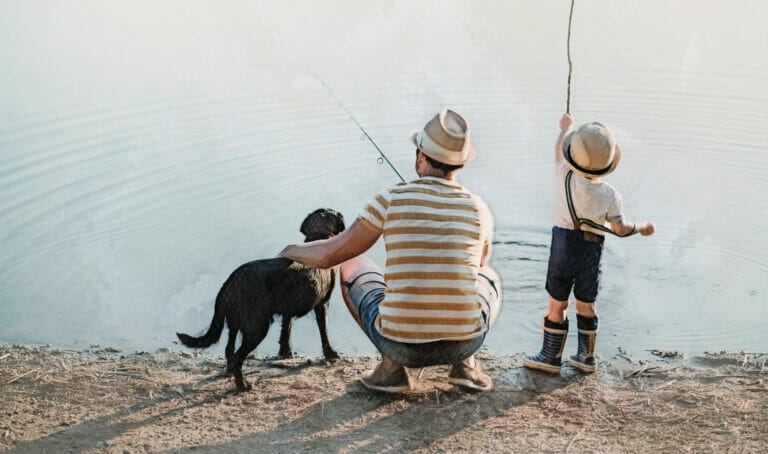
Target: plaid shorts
574, 263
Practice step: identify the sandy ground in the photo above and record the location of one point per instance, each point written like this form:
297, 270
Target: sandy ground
104, 400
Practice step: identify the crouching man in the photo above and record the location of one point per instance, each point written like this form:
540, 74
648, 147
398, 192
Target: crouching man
437, 297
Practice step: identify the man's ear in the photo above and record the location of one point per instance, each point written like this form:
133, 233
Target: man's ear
421, 157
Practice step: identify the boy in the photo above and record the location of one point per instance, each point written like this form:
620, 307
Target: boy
585, 207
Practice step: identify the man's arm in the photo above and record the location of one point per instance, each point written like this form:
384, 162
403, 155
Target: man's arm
566, 123
352, 242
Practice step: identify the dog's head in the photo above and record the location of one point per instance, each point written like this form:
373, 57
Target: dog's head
321, 224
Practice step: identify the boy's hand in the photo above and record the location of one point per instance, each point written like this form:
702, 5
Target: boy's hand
566, 121
647, 228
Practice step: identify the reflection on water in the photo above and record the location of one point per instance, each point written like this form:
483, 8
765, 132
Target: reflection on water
149, 150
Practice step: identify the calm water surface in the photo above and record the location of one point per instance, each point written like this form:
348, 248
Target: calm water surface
148, 150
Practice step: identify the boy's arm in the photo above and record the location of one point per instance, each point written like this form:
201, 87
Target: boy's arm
566, 124
624, 228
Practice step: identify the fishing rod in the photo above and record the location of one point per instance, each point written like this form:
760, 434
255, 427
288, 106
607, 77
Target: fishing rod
382, 157
570, 63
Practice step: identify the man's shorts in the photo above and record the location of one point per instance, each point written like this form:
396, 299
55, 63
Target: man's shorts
574, 263
366, 291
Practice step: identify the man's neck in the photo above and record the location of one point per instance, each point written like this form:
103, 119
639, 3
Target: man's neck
450, 176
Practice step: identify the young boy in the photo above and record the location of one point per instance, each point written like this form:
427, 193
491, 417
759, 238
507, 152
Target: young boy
585, 207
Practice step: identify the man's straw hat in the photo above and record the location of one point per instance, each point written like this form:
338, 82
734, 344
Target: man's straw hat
445, 138
591, 150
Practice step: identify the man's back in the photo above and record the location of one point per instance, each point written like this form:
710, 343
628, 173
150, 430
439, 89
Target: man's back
434, 231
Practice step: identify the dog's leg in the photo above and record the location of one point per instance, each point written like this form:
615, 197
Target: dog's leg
250, 342
229, 350
286, 352
321, 314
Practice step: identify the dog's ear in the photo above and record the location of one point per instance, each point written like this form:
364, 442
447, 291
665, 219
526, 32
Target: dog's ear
311, 221
306, 224
339, 222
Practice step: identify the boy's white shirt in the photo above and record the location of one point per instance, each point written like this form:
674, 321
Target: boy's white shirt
593, 199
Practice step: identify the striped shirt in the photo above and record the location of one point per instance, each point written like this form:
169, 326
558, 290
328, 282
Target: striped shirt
434, 232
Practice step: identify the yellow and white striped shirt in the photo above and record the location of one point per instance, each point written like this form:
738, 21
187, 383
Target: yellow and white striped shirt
434, 231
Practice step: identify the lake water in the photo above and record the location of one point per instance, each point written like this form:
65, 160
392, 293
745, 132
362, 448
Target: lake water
149, 148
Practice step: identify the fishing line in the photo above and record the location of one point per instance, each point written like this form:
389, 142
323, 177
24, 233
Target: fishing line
577, 220
382, 157
570, 63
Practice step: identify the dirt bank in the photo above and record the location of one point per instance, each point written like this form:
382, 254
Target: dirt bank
104, 400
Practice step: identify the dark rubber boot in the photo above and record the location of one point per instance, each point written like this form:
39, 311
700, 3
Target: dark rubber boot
549, 358
584, 359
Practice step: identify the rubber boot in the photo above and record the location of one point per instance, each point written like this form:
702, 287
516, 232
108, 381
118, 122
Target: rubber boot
549, 358
584, 359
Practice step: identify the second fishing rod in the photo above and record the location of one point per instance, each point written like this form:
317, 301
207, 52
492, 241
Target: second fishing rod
382, 157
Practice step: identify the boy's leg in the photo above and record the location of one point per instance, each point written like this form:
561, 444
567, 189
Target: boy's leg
555, 322
558, 310
586, 316
549, 358
586, 309
586, 284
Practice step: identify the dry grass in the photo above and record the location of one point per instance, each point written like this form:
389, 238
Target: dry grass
99, 400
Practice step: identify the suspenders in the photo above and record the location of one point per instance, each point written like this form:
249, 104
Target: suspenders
577, 221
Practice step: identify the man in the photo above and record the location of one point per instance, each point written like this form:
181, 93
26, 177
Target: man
437, 298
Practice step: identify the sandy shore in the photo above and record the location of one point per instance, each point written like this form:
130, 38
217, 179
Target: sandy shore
105, 400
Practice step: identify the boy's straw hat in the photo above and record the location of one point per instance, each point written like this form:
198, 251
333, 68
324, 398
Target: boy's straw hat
445, 138
591, 150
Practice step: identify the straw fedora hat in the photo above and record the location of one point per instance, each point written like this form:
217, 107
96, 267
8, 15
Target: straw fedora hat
591, 150
445, 138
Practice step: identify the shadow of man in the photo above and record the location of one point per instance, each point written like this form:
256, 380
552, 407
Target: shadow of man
363, 419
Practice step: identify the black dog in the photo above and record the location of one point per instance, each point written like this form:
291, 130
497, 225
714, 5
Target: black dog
257, 291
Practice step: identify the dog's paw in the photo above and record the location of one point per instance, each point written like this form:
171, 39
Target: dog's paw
243, 388
331, 356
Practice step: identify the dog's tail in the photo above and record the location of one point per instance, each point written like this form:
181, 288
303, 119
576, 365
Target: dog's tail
214, 331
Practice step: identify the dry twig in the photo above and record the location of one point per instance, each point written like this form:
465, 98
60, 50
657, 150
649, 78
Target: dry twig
664, 385
23, 375
570, 444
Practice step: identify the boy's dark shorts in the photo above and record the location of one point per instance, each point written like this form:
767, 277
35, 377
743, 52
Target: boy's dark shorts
574, 263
